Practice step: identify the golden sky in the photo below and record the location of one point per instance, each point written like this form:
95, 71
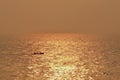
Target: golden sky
36, 16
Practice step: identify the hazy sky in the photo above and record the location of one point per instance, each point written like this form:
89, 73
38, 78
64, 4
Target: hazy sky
36, 16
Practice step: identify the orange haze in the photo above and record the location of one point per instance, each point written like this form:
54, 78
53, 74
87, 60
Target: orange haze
82, 16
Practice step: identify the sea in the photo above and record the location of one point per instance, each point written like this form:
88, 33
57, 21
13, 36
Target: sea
65, 57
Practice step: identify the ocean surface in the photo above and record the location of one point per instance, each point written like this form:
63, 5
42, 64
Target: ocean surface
66, 57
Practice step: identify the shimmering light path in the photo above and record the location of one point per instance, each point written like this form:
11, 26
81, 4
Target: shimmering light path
67, 57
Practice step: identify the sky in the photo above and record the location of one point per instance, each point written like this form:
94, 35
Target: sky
38, 16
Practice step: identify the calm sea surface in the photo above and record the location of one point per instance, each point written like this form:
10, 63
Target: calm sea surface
66, 57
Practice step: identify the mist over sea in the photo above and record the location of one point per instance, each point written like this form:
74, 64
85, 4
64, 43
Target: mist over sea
66, 57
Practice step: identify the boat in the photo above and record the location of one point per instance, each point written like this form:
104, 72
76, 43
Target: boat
35, 53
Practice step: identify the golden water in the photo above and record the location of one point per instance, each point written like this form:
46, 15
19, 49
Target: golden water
66, 57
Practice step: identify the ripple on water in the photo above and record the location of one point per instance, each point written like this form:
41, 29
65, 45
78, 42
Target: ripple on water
67, 57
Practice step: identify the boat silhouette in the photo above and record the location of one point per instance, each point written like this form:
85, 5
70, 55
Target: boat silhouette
35, 53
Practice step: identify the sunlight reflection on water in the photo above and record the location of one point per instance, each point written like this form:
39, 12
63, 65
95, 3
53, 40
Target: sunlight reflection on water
66, 57
61, 61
